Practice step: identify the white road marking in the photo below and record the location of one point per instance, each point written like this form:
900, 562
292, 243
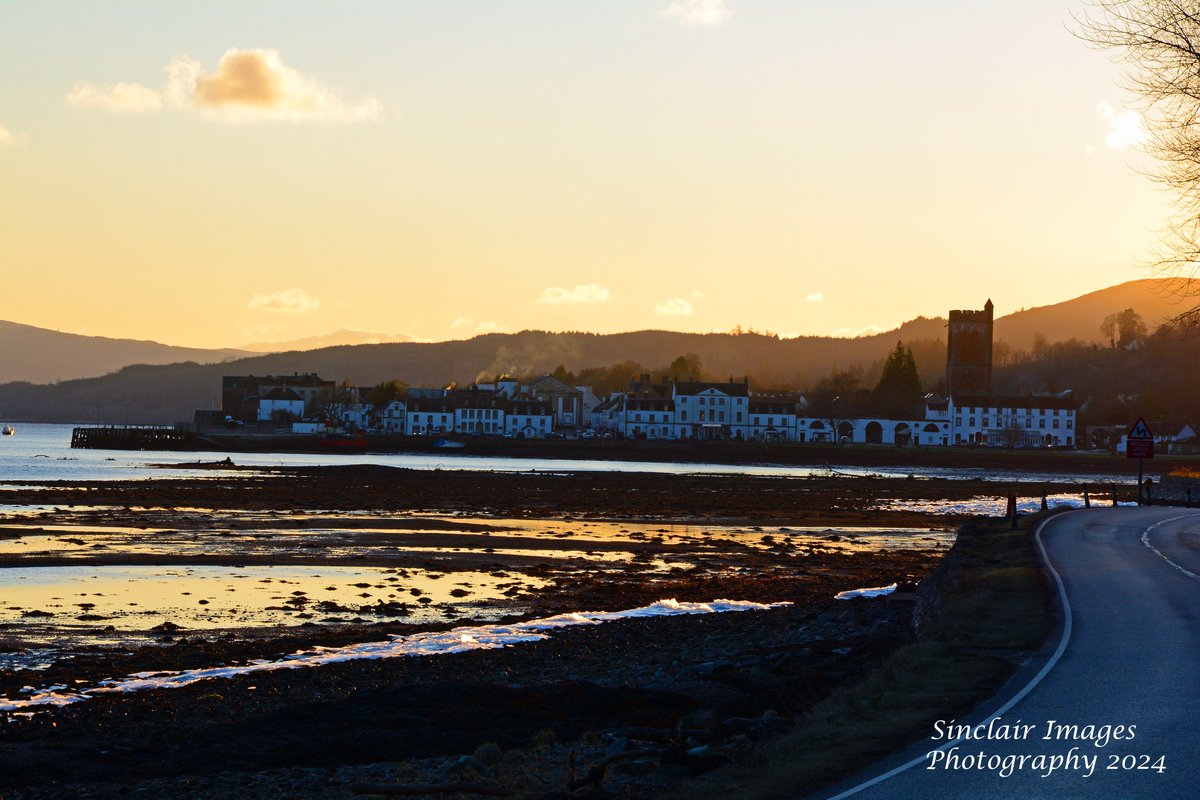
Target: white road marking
1146, 541
1019, 696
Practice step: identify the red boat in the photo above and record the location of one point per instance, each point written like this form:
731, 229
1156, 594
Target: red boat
344, 444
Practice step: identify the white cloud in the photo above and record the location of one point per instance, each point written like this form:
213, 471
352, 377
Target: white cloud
289, 301
699, 295
124, 98
247, 86
853, 333
1125, 128
8, 138
697, 12
814, 297
478, 326
589, 293
676, 306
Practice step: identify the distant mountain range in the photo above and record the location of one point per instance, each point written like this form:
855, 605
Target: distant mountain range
168, 393
39, 355
338, 338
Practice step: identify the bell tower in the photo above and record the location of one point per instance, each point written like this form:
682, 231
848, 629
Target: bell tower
969, 352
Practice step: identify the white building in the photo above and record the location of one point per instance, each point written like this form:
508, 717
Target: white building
1012, 421
393, 418
565, 401
280, 404
428, 415
478, 411
527, 419
815, 430
607, 416
705, 410
646, 412
772, 417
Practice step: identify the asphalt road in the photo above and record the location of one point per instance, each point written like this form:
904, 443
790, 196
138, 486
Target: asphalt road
1128, 655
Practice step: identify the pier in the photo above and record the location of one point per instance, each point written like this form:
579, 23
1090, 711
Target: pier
132, 437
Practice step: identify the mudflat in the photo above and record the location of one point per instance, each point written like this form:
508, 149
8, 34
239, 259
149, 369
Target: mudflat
105, 580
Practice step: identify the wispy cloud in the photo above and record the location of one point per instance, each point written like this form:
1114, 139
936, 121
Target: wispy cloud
588, 293
247, 86
288, 301
814, 297
478, 326
676, 306
697, 12
1125, 128
8, 138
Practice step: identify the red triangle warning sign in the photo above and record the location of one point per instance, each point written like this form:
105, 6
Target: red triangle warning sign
1140, 430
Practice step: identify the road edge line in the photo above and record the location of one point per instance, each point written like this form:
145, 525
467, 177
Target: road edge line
1159, 553
1065, 637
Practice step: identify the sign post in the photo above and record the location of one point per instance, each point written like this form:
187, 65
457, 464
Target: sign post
1139, 444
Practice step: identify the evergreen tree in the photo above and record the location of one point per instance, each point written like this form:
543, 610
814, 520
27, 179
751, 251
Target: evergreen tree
898, 393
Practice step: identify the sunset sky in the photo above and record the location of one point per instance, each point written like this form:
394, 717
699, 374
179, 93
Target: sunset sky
215, 173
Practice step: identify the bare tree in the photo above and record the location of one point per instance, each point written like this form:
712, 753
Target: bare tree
1108, 329
1159, 42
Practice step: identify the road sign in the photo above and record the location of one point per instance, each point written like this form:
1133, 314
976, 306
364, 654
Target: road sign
1139, 442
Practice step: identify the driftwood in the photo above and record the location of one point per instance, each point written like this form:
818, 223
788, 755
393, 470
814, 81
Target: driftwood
679, 734
416, 789
596, 773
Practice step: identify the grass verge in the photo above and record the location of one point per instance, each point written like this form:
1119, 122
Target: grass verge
983, 611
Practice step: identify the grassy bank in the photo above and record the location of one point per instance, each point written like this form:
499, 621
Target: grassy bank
979, 614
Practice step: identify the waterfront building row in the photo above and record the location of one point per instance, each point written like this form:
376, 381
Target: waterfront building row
674, 410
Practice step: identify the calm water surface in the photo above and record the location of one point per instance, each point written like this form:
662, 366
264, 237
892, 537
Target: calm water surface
42, 452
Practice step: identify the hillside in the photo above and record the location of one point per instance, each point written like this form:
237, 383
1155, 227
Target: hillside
38, 355
169, 393
1080, 317
165, 394
344, 336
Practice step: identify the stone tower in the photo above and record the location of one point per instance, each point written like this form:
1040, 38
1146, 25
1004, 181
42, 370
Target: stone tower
969, 352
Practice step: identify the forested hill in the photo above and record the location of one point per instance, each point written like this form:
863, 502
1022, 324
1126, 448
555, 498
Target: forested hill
1155, 300
169, 393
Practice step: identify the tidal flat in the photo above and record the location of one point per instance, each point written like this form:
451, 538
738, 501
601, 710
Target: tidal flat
104, 580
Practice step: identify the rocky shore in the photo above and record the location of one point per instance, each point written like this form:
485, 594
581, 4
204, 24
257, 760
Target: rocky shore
629, 708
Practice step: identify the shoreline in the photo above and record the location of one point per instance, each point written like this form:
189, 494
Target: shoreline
560, 543
782, 454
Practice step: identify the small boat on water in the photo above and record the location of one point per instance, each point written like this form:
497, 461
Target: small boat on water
8, 430
447, 444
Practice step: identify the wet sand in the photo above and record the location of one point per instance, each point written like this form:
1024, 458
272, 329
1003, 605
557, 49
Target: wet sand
424, 552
